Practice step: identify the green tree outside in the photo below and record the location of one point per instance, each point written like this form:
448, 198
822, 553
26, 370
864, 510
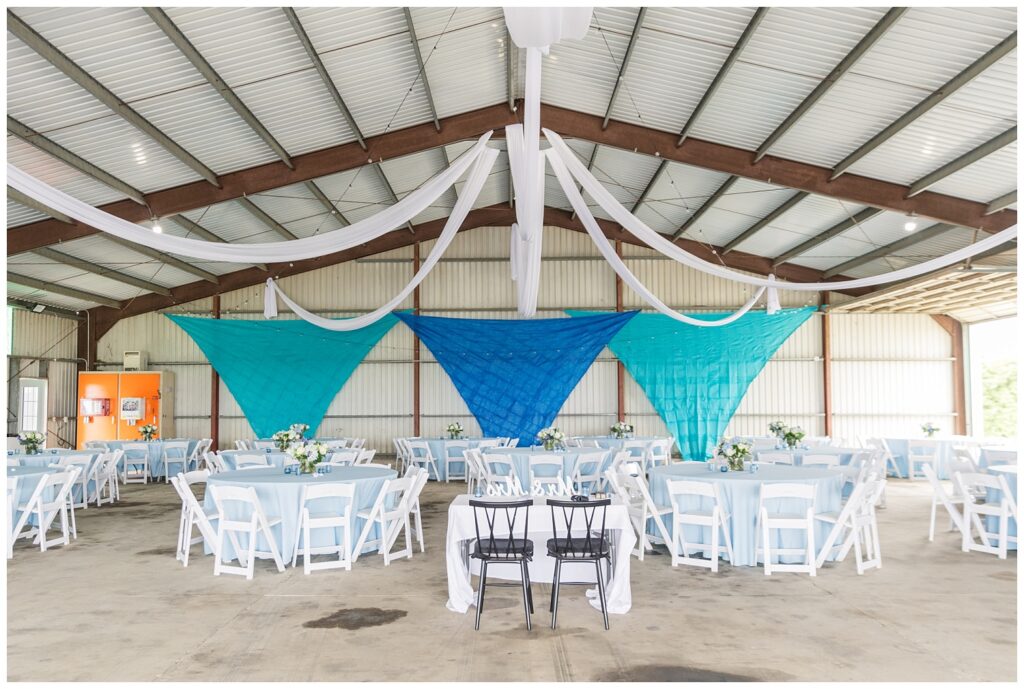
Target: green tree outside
999, 398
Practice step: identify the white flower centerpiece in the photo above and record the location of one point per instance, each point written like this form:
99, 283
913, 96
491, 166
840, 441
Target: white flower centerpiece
792, 437
552, 438
455, 430
621, 429
777, 428
929, 429
733, 453
296, 433
308, 454
148, 431
31, 441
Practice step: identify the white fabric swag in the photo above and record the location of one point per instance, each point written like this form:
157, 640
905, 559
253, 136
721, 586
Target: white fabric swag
470, 192
268, 252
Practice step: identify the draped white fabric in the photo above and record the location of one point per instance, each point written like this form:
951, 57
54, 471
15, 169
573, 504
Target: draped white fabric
540, 27
470, 192
660, 243
606, 249
269, 252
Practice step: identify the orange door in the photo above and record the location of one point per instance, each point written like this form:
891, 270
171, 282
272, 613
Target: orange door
95, 385
146, 386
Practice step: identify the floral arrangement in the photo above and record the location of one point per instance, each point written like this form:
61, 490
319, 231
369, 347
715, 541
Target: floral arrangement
307, 454
777, 428
621, 429
285, 439
32, 441
455, 430
793, 436
148, 431
551, 437
929, 429
734, 453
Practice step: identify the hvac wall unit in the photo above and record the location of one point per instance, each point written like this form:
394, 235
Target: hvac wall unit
112, 405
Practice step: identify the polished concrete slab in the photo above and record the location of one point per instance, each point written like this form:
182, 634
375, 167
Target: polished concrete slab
116, 605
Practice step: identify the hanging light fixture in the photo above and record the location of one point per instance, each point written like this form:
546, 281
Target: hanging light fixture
911, 224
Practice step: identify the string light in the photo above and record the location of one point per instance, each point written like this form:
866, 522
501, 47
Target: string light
911, 224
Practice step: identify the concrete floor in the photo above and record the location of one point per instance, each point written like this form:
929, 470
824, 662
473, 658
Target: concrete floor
115, 605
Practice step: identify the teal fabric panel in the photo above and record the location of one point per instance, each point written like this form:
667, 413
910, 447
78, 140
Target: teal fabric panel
515, 375
282, 372
695, 377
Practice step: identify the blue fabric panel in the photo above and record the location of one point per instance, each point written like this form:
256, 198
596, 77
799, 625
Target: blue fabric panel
282, 372
695, 377
515, 375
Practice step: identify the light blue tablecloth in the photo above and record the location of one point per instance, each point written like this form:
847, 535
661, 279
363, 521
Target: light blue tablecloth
992, 523
612, 443
156, 448
275, 458
740, 493
983, 456
28, 479
521, 460
900, 447
845, 454
41, 461
280, 496
439, 449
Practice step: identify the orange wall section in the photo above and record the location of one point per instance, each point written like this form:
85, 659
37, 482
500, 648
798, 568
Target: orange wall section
98, 385
145, 385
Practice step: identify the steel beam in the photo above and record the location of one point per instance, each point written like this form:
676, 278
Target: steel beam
29, 202
969, 158
391, 191
862, 47
326, 202
265, 218
1001, 203
423, 66
182, 43
34, 138
53, 288
828, 234
49, 52
625, 63
1006, 46
900, 244
650, 185
300, 31
705, 207
164, 258
195, 228
723, 72
767, 220
103, 271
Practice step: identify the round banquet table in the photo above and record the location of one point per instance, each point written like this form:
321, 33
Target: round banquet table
47, 457
521, 456
154, 452
992, 523
845, 454
275, 458
610, 442
740, 491
280, 494
28, 478
439, 450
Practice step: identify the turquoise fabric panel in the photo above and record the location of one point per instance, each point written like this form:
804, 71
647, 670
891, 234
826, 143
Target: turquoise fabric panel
282, 372
514, 375
695, 377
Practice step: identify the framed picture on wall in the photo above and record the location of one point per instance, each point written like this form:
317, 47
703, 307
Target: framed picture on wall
133, 408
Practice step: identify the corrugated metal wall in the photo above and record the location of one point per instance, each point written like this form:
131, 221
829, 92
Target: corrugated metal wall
890, 373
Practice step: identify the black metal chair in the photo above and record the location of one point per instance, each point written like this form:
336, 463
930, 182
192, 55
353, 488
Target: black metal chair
592, 545
509, 548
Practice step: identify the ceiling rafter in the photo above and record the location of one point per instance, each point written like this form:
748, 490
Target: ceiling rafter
265, 218
29, 202
706, 206
958, 164
55, 288
625, 64
903, 243
723, 72
195, 228
62, 62
181, 42
422, 65
326, 202
1001, 203
695, 152
767, 220
822, 237
993, 56
102, 271
172, 261
391, 191
34, 138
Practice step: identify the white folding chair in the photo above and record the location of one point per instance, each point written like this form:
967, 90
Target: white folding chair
253, 461
659, 452
241, 445
46, 510
919, 453
198, 452
488, 442
546, 470
963, 461
365, 456
775, 457
313, 516
263, 445
637, 450
511, 442
476, 475
12, 504
334, 445
252, 524
709, 513
631, 486
827, 461
400, 453
215, 463
587, 471
587, 442
97, 445
952, 503
104, 476
357, 443
1002, 508
420, 480
85, 465
421, 456
343, 458
614, 466
136, 456
390, 513
819, 441
790, 520
855, 525
998, 457
193, 515
460, 446
174, 452
882, 447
